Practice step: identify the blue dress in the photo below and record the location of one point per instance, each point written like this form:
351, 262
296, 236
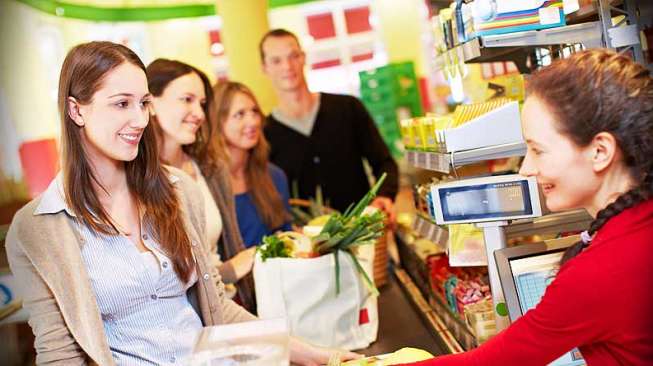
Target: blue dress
252, 228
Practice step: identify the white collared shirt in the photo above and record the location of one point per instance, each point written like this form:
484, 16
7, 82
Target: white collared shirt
147, 317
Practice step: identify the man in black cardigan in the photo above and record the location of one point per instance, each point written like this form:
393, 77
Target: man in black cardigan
319, 138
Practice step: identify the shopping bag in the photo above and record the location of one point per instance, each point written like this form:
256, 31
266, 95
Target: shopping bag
304, 291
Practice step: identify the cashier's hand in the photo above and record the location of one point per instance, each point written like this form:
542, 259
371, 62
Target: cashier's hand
243, 262
386, 205
304, 354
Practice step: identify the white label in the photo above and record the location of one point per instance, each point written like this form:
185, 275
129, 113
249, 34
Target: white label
570, 6
509, 6
549, 15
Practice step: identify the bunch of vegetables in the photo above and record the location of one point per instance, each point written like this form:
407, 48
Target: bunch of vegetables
342, 232
316, 207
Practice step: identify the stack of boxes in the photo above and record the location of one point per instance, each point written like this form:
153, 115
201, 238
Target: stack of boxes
391, 93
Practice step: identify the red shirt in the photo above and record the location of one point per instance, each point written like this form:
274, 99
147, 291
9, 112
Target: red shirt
601, 302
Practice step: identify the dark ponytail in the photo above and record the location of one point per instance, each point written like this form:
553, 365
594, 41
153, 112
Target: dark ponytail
602, 91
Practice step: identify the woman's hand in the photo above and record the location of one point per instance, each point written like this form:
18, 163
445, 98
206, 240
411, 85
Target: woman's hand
304, 354
243, 262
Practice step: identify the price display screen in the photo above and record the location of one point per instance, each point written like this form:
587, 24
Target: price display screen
486, 201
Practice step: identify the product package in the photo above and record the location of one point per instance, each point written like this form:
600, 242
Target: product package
509, 16
255, 343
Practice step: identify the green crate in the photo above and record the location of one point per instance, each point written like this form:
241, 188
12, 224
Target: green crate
375, 79
403, 68
385, 118
379, 97
414, 104
389, 131
377, 101
378, 108
391, 86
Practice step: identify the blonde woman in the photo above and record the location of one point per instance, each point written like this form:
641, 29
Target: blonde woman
260, 188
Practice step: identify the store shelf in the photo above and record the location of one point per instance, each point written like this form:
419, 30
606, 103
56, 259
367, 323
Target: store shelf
516, 46
418, 275
452, 321
569, 221
442, 162
428, 229
588, 34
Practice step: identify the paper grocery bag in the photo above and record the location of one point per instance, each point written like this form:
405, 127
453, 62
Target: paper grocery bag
304, 291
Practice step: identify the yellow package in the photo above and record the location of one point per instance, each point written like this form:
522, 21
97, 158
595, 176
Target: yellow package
466, 246
417, 136
467, 112
407, 135
427, 133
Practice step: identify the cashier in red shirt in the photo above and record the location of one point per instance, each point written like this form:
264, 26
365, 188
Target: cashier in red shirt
588, 124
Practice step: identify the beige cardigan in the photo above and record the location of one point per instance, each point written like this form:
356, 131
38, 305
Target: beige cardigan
44, 255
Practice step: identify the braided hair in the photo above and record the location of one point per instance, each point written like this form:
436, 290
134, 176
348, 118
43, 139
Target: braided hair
597, 91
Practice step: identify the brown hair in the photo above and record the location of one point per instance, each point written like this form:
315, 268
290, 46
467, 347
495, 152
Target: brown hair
160, 73
276, 33
602, 91
264, 194
82, 75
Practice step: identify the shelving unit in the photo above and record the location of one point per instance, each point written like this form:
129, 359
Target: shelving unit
442, 162
428, 229
599, 32
517, 46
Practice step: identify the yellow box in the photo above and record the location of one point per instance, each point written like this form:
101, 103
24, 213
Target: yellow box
427, 133
416, 124
407, 135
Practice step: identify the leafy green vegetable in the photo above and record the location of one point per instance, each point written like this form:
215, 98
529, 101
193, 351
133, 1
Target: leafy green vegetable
273, 247
351, 229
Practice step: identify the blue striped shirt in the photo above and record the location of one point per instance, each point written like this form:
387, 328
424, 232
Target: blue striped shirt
147, 317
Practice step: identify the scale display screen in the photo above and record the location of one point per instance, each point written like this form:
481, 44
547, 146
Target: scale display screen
486, 199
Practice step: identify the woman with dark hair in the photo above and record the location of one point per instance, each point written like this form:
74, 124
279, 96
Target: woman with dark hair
588, 124
260, 187
110, 259
182, 95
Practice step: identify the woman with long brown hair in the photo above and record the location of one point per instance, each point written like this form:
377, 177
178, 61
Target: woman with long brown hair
588, 126
260, 187
110, 259
182, 95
